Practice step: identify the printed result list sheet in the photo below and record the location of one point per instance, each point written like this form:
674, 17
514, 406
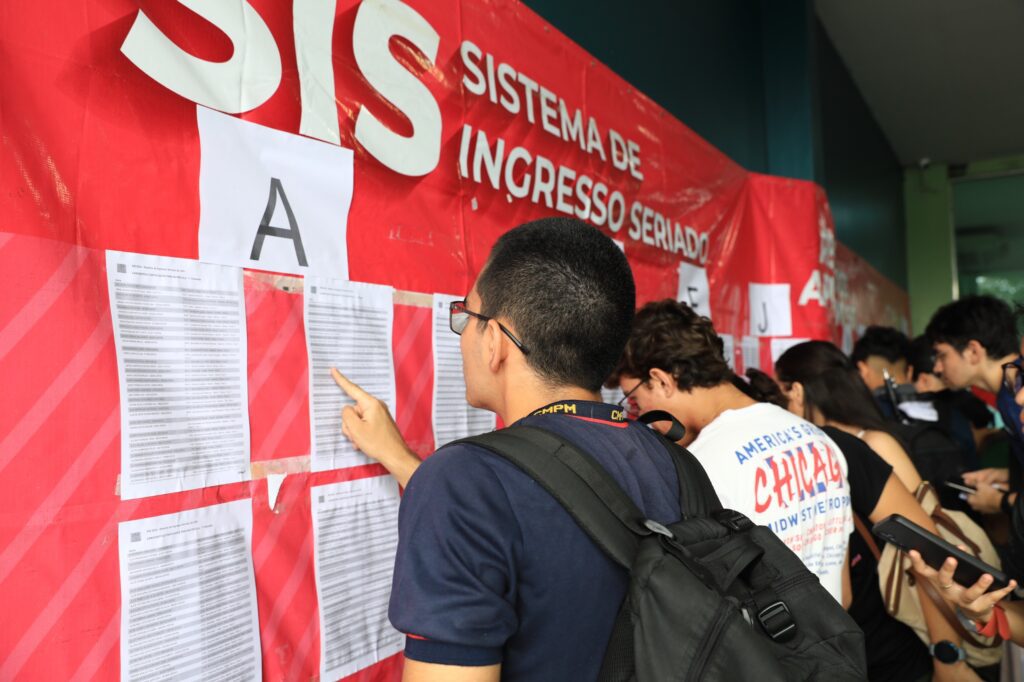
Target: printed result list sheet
453, 416
348, 326
179, 330
188, 596
355, 525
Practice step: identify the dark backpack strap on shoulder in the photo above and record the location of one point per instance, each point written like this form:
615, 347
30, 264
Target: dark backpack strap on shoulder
697, 497
581, 485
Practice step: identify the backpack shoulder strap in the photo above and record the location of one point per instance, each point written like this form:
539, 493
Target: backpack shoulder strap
581, 485
697, 497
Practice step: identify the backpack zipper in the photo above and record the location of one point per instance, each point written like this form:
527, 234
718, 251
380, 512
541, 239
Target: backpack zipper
710, 638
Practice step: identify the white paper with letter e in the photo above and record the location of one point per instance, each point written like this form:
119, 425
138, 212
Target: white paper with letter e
694, 290
272, 200
770, 312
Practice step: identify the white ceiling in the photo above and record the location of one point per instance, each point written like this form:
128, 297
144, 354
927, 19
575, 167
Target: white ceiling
944, 78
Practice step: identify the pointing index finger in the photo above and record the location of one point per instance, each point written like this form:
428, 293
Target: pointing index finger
353, 390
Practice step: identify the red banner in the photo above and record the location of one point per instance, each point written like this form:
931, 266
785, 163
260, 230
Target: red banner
463, 119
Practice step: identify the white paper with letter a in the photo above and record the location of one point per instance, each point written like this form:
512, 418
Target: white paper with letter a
271, 200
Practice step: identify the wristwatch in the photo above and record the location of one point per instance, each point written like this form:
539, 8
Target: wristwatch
946, 652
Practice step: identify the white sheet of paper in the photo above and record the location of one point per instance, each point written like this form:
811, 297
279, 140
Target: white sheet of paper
274, 482
348, 326
750, 349
612, 396
770, 310
188, 596
780, 346
179, 330
847, 339
922, 410
694, 290
355, 527
729, 349
251, 175
453, 416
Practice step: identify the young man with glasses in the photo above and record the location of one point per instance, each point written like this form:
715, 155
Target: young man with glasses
493, 578
975, 339
774, 467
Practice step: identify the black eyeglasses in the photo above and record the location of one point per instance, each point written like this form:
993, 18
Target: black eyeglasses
1013, 377
632, 409
458, 319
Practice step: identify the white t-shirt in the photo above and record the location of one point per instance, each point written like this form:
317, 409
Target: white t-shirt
785, 473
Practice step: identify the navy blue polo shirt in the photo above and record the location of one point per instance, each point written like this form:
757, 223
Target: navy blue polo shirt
491, 569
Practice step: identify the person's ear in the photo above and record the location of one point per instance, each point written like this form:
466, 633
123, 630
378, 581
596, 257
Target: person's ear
866, 373
494, 345
974, 352
662, 383
796, 397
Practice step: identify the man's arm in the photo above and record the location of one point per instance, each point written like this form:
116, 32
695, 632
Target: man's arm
368, 424
417, 671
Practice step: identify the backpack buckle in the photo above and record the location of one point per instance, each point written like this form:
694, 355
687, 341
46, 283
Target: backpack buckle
777, 621
656, 527
732, 520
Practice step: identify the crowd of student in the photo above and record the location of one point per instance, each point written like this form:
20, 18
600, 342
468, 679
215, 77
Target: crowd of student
495, 579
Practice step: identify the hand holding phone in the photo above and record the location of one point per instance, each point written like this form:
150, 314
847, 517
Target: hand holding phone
934, 551
975, 601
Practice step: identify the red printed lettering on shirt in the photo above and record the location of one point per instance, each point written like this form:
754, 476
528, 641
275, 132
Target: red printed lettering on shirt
760, 483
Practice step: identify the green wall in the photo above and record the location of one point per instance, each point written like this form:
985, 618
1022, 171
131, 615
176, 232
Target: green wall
861, 173
698, 60
931, 264
760, 80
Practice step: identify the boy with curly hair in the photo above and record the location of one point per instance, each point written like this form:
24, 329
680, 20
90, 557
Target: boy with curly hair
779, 470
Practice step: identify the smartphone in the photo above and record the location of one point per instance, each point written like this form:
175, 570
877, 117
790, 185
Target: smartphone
958, 484
907, 535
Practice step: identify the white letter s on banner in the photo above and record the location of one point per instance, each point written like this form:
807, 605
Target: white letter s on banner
243, 82
376, 22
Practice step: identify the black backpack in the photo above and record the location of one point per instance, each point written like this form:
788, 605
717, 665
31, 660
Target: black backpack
936, 454
712, 596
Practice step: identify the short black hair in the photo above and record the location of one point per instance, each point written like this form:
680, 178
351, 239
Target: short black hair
676, 339
568, 291
921, 357
985, 319
885, 342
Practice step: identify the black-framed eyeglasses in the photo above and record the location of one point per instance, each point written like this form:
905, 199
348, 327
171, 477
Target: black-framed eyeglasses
1013, 377
628, 404
458, 319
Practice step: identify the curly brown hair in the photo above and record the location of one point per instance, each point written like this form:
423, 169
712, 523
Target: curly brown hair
669, 335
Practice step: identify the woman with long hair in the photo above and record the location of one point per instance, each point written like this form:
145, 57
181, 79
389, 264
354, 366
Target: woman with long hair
822, 385
894, 651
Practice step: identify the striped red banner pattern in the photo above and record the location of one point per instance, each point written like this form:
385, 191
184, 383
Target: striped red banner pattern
60, 460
